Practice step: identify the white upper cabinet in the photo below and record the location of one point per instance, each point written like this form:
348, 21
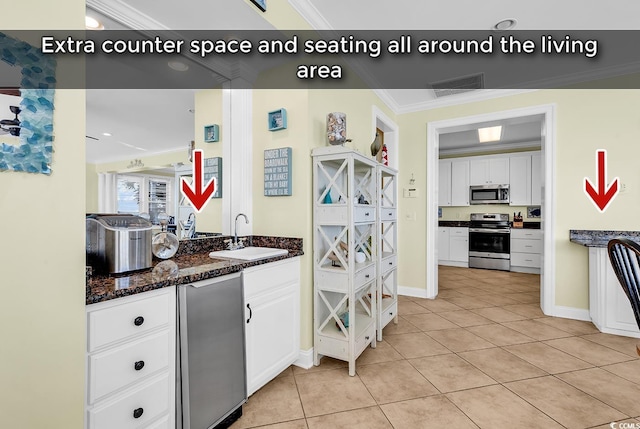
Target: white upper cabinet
520, 180
444, 183
459, 182
489, 171
536, 179
453, 182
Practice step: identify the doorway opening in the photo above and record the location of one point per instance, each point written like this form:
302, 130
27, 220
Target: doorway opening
435, 133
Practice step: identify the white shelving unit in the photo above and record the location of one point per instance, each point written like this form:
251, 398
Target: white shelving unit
344, 224
387, 228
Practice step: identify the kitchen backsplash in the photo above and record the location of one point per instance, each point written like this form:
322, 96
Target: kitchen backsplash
464, 213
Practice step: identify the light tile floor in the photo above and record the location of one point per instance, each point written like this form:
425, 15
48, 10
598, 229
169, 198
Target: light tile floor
480, 355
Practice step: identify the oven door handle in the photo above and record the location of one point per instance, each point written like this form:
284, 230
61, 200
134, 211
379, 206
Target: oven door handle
489, 230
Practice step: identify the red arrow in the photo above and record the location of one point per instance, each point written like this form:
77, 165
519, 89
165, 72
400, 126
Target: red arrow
198, 196
602, 197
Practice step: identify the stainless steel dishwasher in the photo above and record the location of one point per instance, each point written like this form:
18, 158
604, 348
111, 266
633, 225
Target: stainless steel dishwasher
211, 381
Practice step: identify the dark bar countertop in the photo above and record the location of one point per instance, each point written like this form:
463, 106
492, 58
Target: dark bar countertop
598, 238
190, 264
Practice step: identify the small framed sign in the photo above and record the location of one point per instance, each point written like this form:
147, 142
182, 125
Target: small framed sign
277, 172
211, 133
277, 120
213, 168
262, 4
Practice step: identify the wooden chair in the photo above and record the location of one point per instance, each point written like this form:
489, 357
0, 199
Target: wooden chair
624, 255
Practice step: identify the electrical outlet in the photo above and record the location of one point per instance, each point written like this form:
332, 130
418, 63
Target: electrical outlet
623, 187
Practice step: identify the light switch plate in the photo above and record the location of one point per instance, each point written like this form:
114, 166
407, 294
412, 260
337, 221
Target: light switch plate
410, 192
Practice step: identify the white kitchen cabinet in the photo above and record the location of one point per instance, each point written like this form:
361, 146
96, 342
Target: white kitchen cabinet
345, 253
453, 246
526, 250
131, 361
459, 183
489, 170
272, 309
443, 244
444, 182
609, 307
453, 182
536, 179
520, 180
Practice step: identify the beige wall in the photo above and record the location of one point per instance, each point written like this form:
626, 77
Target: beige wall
91, 188
42, 260
587, 120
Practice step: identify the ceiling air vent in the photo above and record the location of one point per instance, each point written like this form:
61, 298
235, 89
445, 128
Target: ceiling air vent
458, 85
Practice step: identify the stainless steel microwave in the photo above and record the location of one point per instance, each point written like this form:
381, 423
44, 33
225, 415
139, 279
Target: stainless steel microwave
489, 194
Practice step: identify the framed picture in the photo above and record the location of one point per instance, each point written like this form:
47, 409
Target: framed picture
262, 4
211, 133
277, 120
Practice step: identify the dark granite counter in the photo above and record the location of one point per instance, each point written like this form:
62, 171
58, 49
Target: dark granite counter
454, 223
595, 238
190, 264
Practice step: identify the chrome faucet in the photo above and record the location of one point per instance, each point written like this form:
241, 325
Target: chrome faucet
237, 244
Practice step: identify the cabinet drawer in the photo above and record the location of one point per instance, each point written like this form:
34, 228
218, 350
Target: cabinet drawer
116, 368
388, 313
532, 234
265, 277
365, 276
525, 260
127, 319
526, 246
364, 339
387, 214
458, 232
364, 214
388, 263
150, 399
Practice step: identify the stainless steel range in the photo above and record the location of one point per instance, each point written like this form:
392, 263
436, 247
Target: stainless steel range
489, 241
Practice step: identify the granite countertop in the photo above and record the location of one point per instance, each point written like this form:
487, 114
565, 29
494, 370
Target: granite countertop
190, 264
598, 238
465, 224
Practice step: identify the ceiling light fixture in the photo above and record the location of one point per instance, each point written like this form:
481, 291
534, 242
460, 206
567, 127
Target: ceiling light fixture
178, 66
92, 24
505, 24
490, 134
106, 134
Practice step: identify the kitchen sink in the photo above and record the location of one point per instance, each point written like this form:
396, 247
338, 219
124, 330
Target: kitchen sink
250, 253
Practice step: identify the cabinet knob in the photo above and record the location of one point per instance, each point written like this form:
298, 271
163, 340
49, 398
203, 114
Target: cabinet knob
390, 263
138, 365
366, 276
366, 213
366, 338
137, 413
138, 321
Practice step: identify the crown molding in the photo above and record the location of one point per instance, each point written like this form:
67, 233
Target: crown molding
125, 14
310, 14
479, 148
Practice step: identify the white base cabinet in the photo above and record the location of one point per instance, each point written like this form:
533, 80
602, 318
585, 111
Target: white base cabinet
526, 250
609, 307
272, 330
131, 361
453, 246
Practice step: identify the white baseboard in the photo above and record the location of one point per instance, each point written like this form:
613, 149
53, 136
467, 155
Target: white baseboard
305, 359
454, 264
571, 313
412, 291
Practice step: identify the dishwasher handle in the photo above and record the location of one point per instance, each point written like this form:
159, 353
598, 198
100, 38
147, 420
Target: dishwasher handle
250, 313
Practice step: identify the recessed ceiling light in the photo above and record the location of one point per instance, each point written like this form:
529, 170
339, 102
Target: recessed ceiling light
490, 134
505, 24
178, 66
106, 134
92, 23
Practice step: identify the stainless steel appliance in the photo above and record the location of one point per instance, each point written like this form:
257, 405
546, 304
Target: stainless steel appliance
117, 243
489, 194
489, 241
211, 385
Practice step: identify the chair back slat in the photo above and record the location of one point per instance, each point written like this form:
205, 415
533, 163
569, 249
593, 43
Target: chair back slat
624, 255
